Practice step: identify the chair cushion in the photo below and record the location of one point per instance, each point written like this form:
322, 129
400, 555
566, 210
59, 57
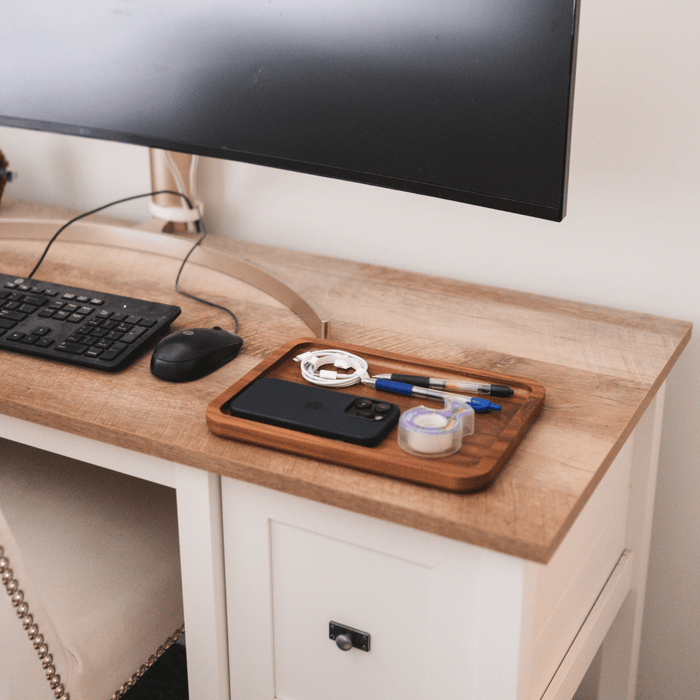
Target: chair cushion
95, 555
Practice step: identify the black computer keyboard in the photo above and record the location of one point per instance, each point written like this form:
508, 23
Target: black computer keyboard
75, 325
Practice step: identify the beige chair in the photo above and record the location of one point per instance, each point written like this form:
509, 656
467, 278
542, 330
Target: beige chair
89, 560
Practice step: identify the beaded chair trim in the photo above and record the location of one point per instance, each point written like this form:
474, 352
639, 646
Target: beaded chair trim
42, 649
151, 660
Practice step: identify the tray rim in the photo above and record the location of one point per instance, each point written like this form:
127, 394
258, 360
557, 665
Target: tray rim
443, 473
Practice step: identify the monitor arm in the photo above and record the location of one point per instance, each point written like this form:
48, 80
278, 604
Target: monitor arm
176, 171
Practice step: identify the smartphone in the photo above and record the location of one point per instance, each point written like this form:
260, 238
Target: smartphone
316, 410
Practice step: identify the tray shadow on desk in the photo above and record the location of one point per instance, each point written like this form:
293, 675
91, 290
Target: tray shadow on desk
475, 466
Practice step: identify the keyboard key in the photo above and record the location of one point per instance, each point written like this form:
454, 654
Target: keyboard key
115, 350
12, 315
34, 299
134, 334
71, 348
28, 308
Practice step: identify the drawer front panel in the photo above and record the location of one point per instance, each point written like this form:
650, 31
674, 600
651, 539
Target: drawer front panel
317, 579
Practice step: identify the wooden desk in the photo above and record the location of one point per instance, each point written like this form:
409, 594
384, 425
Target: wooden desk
602, 369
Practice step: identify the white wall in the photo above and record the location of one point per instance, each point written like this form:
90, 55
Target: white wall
630, 240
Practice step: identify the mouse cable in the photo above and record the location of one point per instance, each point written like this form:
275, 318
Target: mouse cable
198, 224
203, 235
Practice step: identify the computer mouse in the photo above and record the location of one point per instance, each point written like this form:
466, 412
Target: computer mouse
193, 353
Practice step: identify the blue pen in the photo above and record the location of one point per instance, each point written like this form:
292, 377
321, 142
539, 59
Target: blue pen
479, 405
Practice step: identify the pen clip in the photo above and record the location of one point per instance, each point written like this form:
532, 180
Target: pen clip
479, 405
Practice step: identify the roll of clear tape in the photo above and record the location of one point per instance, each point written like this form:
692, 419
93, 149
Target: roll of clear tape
427, 432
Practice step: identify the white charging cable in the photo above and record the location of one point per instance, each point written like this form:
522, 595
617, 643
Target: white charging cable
181, 214
311, 362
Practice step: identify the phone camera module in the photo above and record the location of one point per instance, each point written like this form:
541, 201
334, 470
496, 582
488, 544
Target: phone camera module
369, 409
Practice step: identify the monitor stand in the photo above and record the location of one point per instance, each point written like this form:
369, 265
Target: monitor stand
171, 171
176, 171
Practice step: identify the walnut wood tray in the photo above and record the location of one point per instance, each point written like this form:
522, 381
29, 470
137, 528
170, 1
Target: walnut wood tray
497, 433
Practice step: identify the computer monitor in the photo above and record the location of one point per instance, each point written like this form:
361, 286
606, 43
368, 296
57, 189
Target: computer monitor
468, 100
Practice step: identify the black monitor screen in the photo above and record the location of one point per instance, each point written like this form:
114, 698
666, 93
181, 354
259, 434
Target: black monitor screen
463, 99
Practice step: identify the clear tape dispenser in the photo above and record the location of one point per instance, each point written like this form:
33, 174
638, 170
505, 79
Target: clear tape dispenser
427, 432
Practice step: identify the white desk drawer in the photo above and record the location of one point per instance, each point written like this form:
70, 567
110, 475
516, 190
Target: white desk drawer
293, 566
317, 579
447, 619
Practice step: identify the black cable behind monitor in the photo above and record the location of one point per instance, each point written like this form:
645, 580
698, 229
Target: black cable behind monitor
199, 225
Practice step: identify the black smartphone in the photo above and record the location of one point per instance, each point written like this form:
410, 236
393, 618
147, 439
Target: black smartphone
316, 410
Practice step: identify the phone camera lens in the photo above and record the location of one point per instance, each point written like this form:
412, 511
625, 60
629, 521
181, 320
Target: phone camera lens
382, 407
363, 404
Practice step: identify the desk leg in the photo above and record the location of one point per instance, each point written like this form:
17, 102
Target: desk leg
202, 562
620, 650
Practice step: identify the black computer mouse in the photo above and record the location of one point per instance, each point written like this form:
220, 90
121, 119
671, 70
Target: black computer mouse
193, 353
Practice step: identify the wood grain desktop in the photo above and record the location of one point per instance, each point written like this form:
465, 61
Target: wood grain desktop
601, 368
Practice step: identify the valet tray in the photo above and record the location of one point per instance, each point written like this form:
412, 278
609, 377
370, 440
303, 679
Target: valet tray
476, 465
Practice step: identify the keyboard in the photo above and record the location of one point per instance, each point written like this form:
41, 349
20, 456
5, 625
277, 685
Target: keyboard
78, 326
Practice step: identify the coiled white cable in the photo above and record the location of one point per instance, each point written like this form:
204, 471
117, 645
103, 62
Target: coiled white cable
312, 361
181, 214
